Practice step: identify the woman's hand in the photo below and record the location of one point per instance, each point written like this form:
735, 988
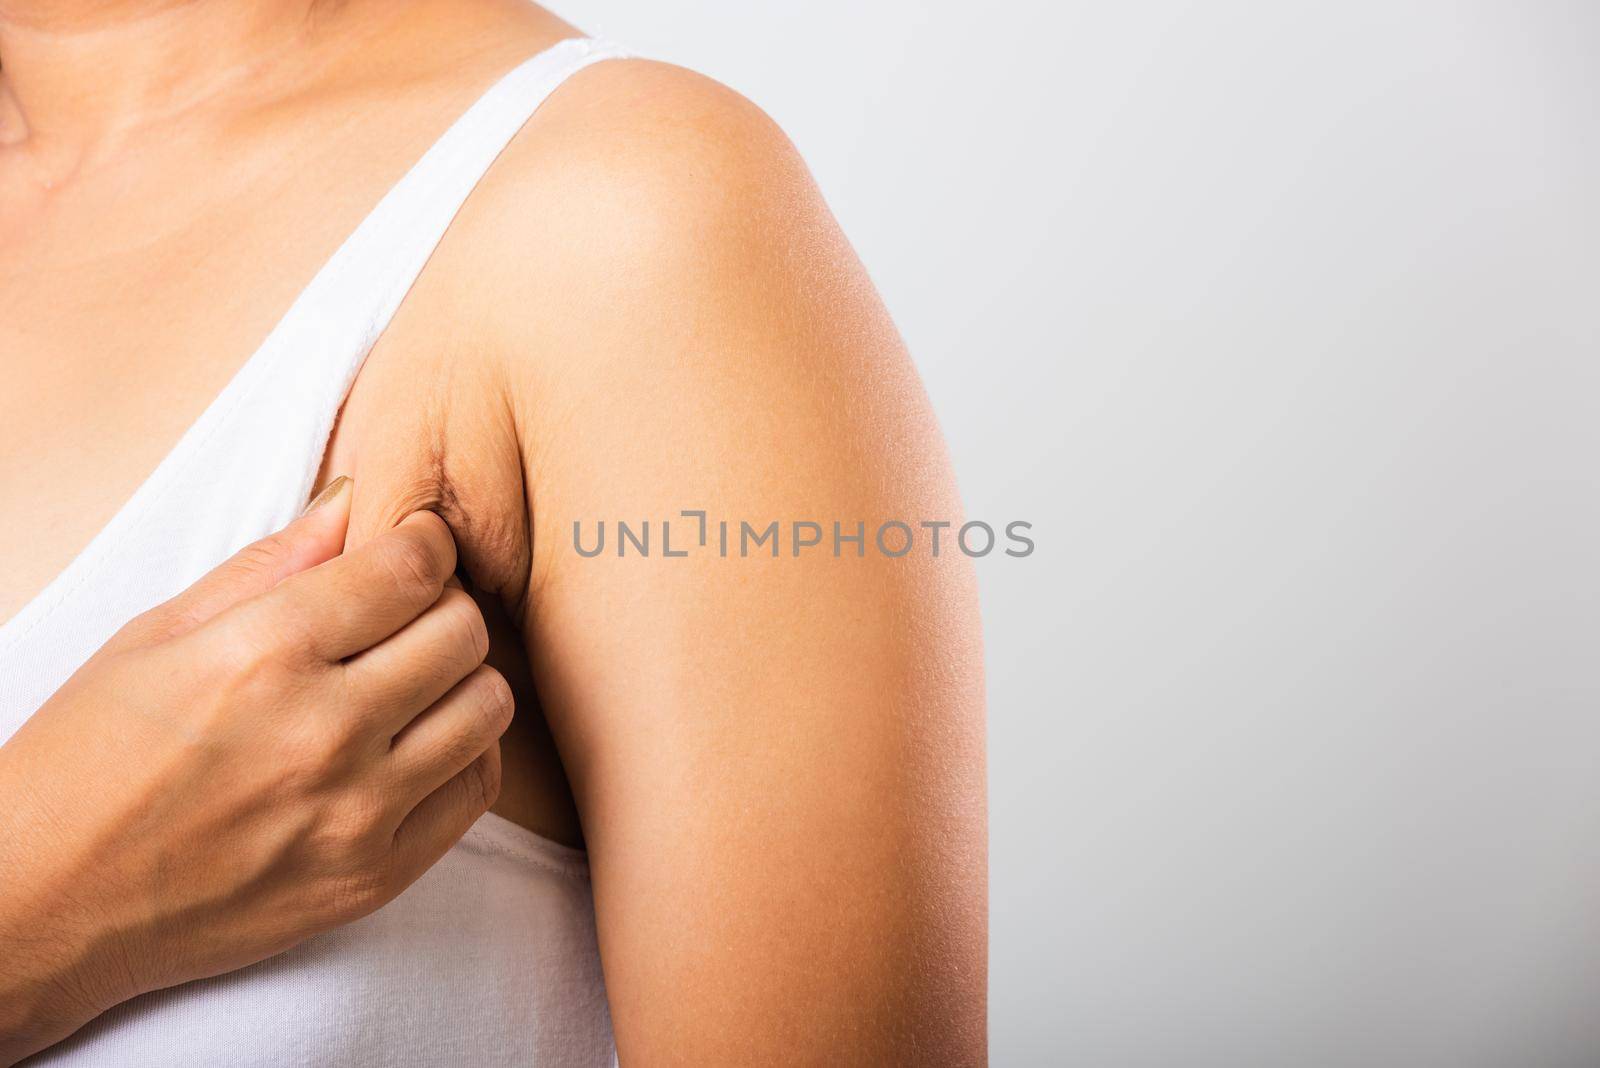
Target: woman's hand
279, 750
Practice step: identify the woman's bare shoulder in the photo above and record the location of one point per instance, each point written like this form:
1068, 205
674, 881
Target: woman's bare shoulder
643, 200
633, 168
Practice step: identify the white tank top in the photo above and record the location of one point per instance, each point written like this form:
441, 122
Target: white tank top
490, 958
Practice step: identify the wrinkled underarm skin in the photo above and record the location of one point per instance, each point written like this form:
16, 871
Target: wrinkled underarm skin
416, 434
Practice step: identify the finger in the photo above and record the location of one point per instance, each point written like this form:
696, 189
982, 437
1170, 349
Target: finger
317, 536
354, 601
444, 815
414, 667
435, 746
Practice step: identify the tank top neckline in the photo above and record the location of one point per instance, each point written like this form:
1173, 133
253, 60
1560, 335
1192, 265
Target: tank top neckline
458, 157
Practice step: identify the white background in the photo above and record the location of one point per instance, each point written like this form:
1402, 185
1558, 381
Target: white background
1279, 322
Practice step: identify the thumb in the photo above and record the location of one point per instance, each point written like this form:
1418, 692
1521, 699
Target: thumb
317, 535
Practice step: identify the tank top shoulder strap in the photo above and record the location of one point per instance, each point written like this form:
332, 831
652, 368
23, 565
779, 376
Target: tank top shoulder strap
345, 309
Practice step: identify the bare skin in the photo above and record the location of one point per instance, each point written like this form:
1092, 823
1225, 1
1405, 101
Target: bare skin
777, 765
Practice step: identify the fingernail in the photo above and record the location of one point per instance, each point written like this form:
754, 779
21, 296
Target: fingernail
329, 492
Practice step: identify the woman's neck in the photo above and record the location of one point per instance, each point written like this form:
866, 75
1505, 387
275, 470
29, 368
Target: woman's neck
78, 76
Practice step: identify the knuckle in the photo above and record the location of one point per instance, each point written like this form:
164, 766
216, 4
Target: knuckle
415, 564
271, 650
485, 776
359, 703
469, 633
293, 631
412, 560
261, 557
495, 701
358, 891
314, 752
325, 736
352, 831
146, 624
258, 554
247, 654
339, 735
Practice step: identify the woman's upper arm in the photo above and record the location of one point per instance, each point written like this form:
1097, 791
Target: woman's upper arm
778, 758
